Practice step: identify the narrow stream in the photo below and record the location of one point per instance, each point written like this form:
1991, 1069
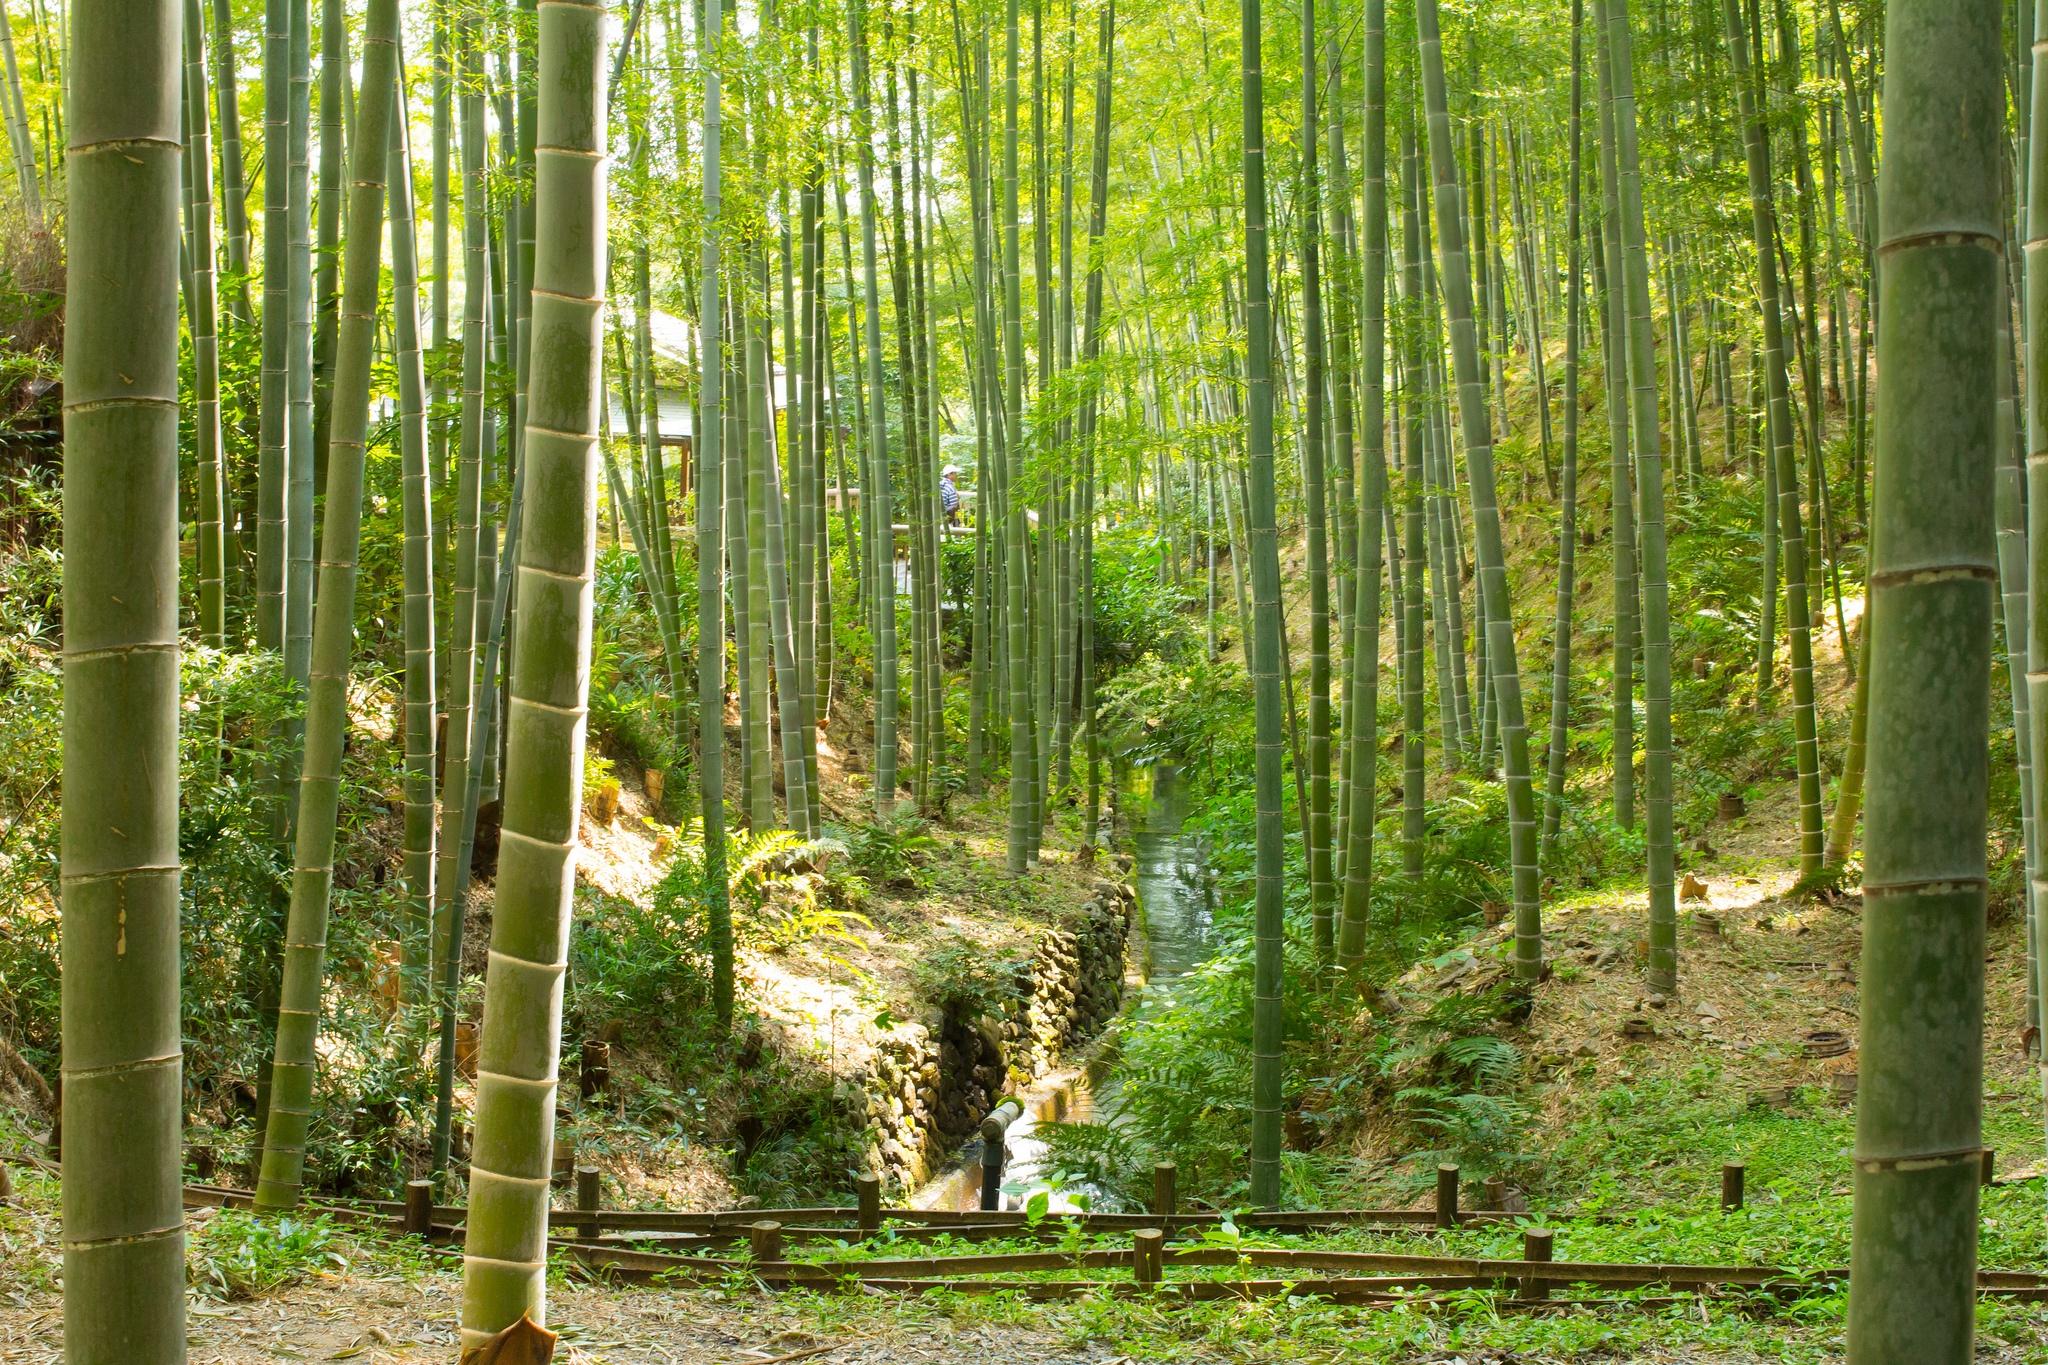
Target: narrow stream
1176, 902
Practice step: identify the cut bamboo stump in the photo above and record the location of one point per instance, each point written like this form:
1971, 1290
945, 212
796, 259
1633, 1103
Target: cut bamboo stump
1447, 1196
589, 1189
419, 1207
764, 1241
565, 1157
1731, 1186
1148, 1255
1990, 1169
595, 1075
870, 1191
1165, 1195
1536, 1246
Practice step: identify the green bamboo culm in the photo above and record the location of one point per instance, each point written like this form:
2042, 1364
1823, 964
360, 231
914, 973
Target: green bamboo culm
883, 553
1784, 464
1316, 820
1934, 581
1487, 555
1363, 692
451, 876
1614, 374
298, 1016
505, 1257
2035, 395
1656, 618
710, 550
1269, 911
418, 498
124, 1225
1414, 555
1020, 844
205, 342
1568, 499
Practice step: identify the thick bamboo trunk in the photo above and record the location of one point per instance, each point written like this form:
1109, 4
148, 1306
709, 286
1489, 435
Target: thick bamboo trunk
124, 1228
1933, 584
504, 1264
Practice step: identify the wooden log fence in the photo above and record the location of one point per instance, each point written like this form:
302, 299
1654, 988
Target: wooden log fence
1365, 1278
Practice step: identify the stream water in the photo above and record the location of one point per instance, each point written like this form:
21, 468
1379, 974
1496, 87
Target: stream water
1175, 902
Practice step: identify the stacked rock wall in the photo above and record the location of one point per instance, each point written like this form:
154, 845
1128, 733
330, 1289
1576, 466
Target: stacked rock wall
932, 1082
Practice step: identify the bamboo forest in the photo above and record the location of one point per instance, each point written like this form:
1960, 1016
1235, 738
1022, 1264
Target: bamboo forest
1010, 681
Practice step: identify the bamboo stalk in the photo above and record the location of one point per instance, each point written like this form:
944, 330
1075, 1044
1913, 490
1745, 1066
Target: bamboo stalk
292, 1070
124, 1239
504, 1264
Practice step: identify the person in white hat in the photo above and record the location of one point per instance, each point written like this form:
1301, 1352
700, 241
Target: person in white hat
949, 494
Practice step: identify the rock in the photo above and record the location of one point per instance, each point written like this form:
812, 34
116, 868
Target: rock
1656, 1001
1586, 1049
1706, 1011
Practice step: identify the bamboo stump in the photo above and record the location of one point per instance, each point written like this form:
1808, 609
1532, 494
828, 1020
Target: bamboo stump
589, 1190
764, 1241
1165, 1194
1148, 1256
1447, 1196
419, 1207
1536, 1246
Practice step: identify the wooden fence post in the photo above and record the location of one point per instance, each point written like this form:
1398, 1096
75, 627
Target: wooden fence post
1536, 1246
1165, 1194
1731, 1187
419, 1207
870, 1189
1447, 1196
1148, 1256
589, 1191
764, 1240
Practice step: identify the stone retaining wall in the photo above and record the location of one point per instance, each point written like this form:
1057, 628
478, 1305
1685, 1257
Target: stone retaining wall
933, 1081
